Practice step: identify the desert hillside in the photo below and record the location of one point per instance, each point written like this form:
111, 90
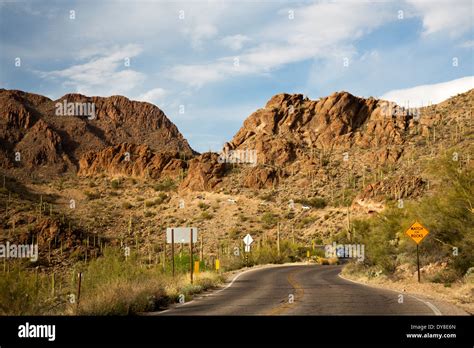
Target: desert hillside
127, 174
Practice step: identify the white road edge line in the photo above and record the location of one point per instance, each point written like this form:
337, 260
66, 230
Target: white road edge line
435, 310
227, 286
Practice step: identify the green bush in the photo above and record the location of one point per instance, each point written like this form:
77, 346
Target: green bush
446, 276
446, 214
127, 205
24, 292
165, 185
269, 196
203, 206
314, 202
115, 183
91, 195
269, 219
206, 215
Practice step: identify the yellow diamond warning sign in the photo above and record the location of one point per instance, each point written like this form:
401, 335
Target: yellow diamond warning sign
417, 232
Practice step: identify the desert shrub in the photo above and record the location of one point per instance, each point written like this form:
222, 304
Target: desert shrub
203, 206
115, 286
243, 218
149, 204
314, 202
269, 219
307, 220
446, 214
234, 233
206, 215
165, 185
445, 276
162, 198
18, 293
127, 205
269, 196
116, 184
91, 195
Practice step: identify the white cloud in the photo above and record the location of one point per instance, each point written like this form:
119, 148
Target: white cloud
235, 42
200, 33
195, 75
454, 17
318, 30
104, 74
426, 94
467, 44
155, 96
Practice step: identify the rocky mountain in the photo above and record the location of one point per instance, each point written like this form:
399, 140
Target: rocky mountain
293, 128
43, 137
301, 146
336, 158
293, 134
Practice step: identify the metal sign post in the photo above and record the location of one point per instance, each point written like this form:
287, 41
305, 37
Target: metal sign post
181, 234
172, 248
417, 232
191, 266
418, 262
247, 241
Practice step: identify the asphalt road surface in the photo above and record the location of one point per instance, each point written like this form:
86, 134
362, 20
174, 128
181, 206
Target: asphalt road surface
300, 290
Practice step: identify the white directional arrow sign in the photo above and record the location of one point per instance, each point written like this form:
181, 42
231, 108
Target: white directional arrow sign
248, 239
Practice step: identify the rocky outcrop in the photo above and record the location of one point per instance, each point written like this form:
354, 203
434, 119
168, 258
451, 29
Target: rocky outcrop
290, 127
131, 160
262, 177
205, 173
373, 197
52, 137
41, 147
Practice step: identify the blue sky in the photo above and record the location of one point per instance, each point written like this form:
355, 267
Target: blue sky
222, 60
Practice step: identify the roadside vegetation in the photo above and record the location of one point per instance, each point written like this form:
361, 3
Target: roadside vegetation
110, 285
448, 215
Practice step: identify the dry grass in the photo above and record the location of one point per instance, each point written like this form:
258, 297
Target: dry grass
115, 286
125, 297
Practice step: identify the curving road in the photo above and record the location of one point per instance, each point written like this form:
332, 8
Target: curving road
300, 290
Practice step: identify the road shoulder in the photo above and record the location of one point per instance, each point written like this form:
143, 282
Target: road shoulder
439, 305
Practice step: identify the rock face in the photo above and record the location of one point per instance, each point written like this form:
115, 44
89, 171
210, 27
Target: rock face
311, 147
372, 197
131, 160
42, 146
290, 127
262, 178
205, 173
52, 140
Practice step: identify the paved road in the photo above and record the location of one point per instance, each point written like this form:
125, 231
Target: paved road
314, 289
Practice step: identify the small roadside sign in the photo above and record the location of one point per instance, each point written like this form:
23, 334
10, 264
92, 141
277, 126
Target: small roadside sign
248, 239
196, 267
417, 232
218, 264
181, 234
